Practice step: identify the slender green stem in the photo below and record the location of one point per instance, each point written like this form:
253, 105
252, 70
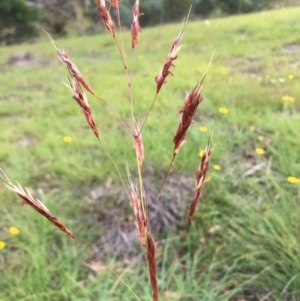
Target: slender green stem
149, 111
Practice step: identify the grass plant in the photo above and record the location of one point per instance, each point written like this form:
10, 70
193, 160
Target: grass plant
243, 243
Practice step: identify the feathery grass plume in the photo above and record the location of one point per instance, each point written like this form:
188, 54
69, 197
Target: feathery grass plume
105, 16
152, 266
172, 56
200, 178
188, 111
135, 25
82, 100
139, 145
27, 199
140, 218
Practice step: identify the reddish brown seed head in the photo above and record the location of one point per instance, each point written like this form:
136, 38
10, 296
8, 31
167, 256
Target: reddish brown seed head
74, 71
204, 165
79, 95
105, 16
188, 111
140, 219
192, 101
139, 146
160, 79
200, 179
37, 205
83, 102
135, 26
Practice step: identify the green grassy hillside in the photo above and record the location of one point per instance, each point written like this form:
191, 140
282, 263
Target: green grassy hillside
244, 242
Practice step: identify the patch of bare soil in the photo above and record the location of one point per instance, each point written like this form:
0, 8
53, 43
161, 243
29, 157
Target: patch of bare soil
22, 59
167, 215
246, 66
11, 98
252, 293
25, 142
292, 47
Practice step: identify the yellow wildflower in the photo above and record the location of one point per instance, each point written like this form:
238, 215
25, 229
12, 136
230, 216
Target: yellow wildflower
201, 153
261, 138
287, 98
217, 167
291, 76
2, 244
67, 139
223, 110
203, 129
14, 230
252, 128
293, 180
259, 151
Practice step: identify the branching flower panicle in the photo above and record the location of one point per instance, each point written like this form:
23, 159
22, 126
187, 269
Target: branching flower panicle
105, 16
135, 26
200, 179
188, 111
36, 204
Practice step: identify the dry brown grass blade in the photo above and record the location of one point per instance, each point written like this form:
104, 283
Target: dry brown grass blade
36, 205
152, 266
160, 79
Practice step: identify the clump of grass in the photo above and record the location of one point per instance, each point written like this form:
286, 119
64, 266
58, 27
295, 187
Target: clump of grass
136, 192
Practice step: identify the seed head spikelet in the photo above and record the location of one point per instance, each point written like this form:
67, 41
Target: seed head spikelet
160, 79
73, 70
135, 26
140, 219
35, 204
188, 111
83, 102
105, 16
200, 179
138, 145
